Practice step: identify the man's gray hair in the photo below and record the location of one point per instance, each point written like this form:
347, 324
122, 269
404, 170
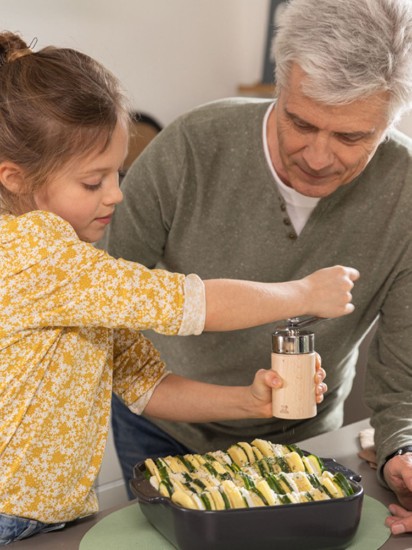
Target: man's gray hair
349, 49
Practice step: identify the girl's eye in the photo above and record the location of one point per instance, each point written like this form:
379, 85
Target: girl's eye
92, 187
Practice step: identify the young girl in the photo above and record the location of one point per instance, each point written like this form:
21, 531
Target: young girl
70, 315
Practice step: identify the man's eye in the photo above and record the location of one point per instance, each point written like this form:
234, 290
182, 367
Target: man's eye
349, 138
302, 125
92, 187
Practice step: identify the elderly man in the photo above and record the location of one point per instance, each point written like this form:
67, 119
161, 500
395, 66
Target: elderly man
272, 190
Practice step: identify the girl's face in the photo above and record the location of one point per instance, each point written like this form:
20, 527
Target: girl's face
84, 193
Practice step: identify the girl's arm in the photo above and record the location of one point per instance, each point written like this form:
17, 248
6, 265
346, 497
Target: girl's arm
179, 399
236, 304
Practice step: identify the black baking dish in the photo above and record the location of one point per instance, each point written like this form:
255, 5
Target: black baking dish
321, 525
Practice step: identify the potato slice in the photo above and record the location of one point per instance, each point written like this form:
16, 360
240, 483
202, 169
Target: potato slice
302, 482
182, 498
175, 465
234, 495
295, 462
248, 450
267, 492
218, 500
333, 490
191, 459
265, 447
238, 455
153, 469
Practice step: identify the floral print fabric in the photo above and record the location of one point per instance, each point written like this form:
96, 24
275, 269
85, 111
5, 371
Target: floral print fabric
70, 317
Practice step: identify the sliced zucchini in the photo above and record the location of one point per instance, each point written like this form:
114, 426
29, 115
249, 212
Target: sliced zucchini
317, 464
333, 490
287, 482
257, 453
166, 488
193, 461
281, 465
153, 469
306, 497
221, 470
208, 501
340, 480
275, 484
245, 480
186, 463
257, 474
226, 499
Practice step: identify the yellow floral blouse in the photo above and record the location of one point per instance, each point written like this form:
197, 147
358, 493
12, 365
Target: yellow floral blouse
70, 317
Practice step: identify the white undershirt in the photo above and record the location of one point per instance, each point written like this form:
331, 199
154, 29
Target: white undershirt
299, 207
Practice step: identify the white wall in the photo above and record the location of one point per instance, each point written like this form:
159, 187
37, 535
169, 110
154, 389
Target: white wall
170, 54
406, 124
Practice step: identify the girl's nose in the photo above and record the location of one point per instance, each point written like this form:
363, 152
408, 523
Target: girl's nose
113, 194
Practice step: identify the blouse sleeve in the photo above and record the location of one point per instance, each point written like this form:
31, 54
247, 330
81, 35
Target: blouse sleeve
137, 369
57, 280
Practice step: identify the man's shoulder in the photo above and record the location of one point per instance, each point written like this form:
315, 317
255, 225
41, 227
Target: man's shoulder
231, 108
400, 140
394, 156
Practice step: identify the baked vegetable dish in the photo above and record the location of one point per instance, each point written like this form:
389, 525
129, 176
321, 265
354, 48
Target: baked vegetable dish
247, 475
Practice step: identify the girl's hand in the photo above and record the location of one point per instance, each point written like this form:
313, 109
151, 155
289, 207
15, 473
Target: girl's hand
267, 380
327, 292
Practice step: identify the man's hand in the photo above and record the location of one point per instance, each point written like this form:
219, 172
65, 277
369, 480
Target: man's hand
398, 475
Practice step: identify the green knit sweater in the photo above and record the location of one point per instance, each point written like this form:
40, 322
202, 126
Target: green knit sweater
201, 198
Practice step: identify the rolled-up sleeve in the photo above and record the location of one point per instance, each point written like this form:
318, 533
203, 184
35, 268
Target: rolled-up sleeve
194, 312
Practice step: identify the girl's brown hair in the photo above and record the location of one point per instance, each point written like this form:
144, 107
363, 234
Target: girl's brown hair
55, 104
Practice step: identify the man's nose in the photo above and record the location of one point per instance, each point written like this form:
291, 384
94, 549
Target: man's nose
318, 153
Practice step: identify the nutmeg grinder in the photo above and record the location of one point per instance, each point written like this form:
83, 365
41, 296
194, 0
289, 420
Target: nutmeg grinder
294, 359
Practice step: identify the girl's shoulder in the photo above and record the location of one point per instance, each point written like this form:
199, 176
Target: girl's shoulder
36, 224
31, 238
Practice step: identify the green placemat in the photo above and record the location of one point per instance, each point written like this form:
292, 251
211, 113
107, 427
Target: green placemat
372, 532
122, 530
128, 528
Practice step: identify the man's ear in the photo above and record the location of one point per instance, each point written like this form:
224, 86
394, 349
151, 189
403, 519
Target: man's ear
11, 177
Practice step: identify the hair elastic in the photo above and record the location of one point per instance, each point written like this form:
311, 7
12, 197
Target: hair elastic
22, 52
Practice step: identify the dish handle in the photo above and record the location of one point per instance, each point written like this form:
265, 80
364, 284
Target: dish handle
145, 492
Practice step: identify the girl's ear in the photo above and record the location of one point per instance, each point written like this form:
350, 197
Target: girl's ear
11, 176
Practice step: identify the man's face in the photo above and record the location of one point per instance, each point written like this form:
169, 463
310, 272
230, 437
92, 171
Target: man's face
315, 148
